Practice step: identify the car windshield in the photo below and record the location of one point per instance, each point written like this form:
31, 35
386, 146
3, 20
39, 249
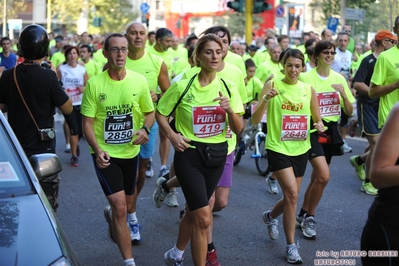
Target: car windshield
13, 176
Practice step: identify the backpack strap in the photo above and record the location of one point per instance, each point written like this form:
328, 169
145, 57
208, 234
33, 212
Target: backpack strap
184, 93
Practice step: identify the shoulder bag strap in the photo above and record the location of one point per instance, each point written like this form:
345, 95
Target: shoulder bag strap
184, 93
227, 88
22, 97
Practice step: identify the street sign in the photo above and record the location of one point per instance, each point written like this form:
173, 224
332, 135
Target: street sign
144, 7
279, 22
332, 24
280, 11
354, 14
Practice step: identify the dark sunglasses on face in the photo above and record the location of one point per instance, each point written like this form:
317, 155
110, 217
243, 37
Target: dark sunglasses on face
328, 52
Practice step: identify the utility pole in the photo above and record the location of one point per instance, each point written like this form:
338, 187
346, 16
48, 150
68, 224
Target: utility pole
49, 15
343, 11
248, 21
4, 18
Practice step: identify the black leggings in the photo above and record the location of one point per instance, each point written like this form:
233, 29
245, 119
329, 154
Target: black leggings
379, 237
198, 181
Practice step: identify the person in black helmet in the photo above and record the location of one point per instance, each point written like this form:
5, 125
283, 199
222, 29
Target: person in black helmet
42, 92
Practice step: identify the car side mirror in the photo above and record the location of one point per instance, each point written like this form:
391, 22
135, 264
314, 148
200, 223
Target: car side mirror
45, 165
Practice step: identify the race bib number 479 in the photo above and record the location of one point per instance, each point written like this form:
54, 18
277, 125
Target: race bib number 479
294, 127
208, 121
118, 129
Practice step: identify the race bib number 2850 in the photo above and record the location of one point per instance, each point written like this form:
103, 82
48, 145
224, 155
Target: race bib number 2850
118, 129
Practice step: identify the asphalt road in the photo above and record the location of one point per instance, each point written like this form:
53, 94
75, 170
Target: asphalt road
239, 234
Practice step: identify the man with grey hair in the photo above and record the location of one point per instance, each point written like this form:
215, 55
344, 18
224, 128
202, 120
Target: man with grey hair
342, 64
235, 47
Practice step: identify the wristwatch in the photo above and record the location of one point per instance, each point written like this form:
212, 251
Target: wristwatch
146, 129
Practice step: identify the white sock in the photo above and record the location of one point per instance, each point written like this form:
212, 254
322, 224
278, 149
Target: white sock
127, 261
176, 253
163, 167
132, 217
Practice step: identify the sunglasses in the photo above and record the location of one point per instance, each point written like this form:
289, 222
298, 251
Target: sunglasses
389, 40
328, 53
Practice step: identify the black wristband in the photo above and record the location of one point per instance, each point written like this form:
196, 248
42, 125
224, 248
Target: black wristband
159, 96
146, 129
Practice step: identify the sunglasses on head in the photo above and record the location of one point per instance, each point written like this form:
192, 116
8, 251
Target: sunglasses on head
389, 40
328, 52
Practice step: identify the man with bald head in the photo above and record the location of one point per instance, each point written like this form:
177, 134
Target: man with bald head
270, 66
327, 35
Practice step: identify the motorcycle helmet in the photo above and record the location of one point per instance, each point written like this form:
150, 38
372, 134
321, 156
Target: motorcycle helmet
33, 42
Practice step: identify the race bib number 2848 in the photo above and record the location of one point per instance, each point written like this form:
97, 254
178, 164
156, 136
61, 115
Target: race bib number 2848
294, 127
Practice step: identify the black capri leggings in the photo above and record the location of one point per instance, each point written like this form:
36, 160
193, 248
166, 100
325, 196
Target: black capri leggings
198, 181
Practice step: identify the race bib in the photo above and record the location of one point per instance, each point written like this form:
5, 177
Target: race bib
75, 95
118, 129
264, 117
294, 127
229, 133
208, 121
329, 103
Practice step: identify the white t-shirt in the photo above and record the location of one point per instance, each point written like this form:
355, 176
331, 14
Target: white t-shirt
342, 62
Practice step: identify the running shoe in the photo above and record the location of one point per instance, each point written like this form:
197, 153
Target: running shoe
272, 230
308, 227
346, 148
134, 229
171, 261
67, 148
150, 171
159, 194
298, 221
74, 161
164, 172
361, 174
171, 199
212, 258
368, 188
272, 185
292, 255
108, 218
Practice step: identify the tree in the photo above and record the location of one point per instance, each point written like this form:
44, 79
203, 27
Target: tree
377, 14
115, 15
13, 7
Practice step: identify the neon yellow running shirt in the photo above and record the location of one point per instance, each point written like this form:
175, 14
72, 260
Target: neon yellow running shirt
117, 107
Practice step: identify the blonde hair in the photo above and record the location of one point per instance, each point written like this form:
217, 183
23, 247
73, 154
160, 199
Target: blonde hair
209, 37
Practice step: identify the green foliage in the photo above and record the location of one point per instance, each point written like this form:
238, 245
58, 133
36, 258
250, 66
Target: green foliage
377, 15
114, 15
236, 22
13, 7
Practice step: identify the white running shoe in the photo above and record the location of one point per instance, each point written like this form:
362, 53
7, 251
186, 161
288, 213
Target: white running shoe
272, 184
171, 199
272, 230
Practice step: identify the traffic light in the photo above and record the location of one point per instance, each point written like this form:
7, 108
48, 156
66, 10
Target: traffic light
236, 5
261, 6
